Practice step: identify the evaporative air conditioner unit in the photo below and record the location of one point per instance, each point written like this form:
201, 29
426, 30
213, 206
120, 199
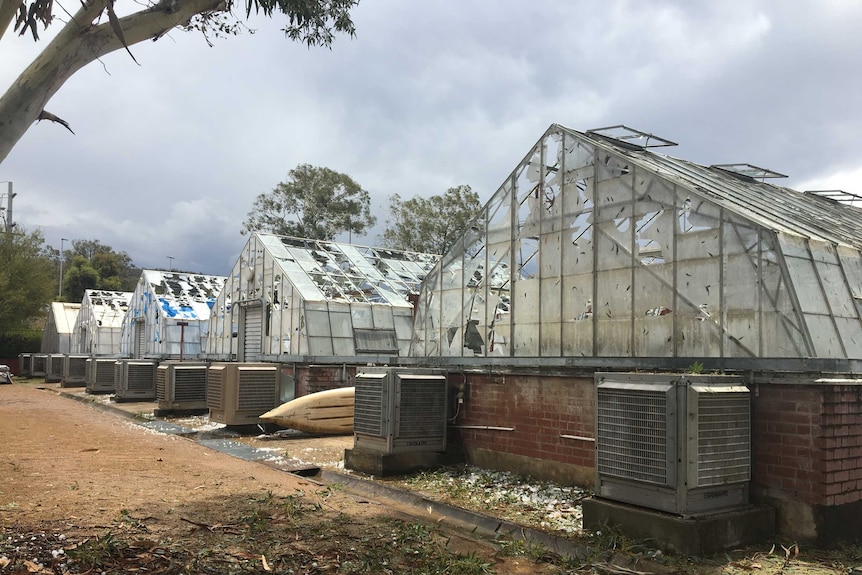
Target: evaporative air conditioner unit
239, 393
38, 364
99, 377
135, 379
400, 410
54, 367
181, 385
74, 371
676, 443
24, 364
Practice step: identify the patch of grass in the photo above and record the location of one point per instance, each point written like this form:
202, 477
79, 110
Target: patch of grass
521, 548
469, 564
398, 547
99, 552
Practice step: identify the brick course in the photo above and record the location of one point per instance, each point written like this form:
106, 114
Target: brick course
807, 442
540, 409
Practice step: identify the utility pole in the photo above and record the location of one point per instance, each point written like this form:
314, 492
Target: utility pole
60, 290
10, 223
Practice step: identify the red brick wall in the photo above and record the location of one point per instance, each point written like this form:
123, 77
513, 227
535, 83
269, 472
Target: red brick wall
539, 408
840, 444
783, 442
12, 362
314, 378
807, 442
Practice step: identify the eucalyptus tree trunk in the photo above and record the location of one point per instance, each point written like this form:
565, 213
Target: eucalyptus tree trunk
80, 42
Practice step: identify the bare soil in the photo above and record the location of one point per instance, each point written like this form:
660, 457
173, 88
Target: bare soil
83, 490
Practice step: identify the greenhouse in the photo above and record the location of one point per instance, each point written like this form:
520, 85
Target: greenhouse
291, 297
57, 333
168, 315
599, 246
99, 324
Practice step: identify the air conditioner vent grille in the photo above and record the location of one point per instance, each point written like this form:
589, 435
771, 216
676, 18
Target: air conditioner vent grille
255, 391
140, 377
723, 441
423, 409
77, 366
215, 385
632, 435
368, 406
161, 384
55, 364
39, 363
190, 384
104, 373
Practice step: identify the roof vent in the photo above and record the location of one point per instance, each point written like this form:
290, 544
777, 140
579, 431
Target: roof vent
747, 172
630, 138
839, 196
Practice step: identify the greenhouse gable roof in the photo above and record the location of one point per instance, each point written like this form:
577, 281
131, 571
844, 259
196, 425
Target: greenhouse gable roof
743, 189
65, 314
184, 295
331, 271
108, 307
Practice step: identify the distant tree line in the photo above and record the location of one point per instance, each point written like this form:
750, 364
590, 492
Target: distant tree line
319, 203
315, 203
93, 265
30, 279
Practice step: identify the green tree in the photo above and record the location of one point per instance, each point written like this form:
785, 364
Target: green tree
95, 30
316, 203
430, 225
78, 278
93, 265
27, 280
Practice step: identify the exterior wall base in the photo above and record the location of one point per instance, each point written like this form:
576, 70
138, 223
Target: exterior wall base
385, 464
697, 536
73, 383
562, 473
820, 524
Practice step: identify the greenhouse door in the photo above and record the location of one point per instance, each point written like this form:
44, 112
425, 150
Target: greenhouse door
83, 344
139, 343
251, 327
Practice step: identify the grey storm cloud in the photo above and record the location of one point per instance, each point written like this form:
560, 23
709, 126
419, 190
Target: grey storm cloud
168, 156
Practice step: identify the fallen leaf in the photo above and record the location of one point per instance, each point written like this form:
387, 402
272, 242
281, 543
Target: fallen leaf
35, 568
4, 561
266, 566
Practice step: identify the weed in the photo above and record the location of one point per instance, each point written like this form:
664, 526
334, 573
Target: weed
695, 368
257, 520
611, 539
469, 564
527, 549
98, 552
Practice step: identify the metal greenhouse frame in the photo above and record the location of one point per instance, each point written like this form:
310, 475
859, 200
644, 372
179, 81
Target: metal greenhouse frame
598, 250
292, 299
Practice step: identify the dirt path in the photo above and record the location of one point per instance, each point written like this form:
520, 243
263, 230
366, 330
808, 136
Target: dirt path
62, 459
72, 473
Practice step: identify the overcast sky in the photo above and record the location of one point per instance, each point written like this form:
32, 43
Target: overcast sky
168, 157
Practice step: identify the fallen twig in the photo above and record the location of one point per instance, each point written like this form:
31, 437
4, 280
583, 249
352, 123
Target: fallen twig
212, 527
616, 569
